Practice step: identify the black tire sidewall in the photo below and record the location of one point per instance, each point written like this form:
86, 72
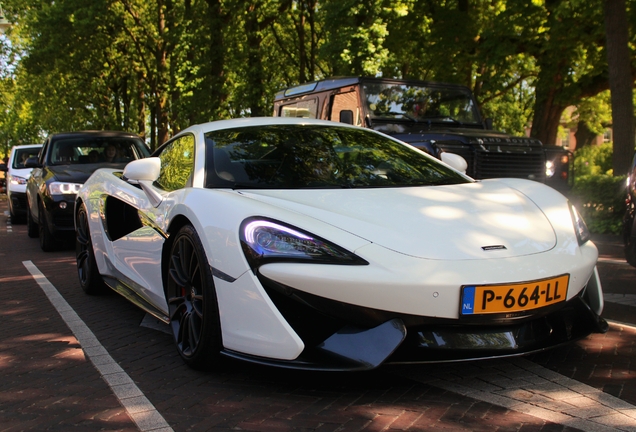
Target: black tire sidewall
47, 242
32, 227
93, 283
206, 354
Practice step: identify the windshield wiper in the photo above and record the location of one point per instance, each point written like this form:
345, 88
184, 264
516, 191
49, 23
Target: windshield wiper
442, 119
404, 115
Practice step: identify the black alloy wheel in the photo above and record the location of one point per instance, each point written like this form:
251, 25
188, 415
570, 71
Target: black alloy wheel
89, 278
192, 303
47, 242
32, 227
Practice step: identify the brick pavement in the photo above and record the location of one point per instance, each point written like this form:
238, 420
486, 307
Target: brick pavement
47, 383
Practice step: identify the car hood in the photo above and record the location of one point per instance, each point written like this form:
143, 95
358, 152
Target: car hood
413, 133
21, 172
74, 173
469, 221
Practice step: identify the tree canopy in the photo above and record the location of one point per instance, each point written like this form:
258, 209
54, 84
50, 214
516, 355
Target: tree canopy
156, 66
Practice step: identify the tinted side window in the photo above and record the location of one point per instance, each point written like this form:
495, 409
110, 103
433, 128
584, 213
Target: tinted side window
177, 163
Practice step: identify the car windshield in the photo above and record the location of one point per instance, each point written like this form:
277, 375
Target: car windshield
85, 150
310, 156
386, 101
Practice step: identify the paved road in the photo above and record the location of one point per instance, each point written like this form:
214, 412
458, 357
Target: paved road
74, 362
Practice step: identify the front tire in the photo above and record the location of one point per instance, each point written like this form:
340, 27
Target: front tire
15, 219
32, 227
47, 242
89, 278
192, 303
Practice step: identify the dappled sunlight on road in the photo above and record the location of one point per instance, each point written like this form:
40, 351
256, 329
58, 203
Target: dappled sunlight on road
15, 279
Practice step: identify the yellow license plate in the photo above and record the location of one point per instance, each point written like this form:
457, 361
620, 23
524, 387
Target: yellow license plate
493, 299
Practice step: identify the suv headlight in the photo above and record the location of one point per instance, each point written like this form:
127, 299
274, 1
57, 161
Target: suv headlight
549, 169
60, 188
265, 240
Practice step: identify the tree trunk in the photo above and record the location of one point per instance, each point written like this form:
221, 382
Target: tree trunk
161, 86
584, 136
302, 51
141, 105
618, 59
547, 116
216, 57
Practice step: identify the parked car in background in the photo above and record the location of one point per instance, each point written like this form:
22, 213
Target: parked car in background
318, 245
3, 183
63, 165
435, 117
629, 220
16, 175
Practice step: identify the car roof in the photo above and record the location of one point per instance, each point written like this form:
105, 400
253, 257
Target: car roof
94, 134
337, 82
24, 146
261, 121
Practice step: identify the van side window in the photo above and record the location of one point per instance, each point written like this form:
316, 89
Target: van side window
346, 101
307, 108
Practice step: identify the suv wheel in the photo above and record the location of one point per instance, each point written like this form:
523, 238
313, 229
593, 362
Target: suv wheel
47, 242
32, 227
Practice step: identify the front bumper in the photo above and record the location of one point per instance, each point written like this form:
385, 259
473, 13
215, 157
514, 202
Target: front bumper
341, 336
59, 209
18, 202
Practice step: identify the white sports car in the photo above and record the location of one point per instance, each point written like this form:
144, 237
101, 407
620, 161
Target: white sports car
317, 245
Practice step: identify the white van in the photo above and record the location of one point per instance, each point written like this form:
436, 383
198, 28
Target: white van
17, 175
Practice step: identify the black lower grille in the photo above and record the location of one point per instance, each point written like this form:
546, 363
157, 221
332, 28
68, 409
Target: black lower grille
18, 201
63, 221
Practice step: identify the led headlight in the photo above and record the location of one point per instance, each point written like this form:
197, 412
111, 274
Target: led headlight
59, 188
580, 228
265, 240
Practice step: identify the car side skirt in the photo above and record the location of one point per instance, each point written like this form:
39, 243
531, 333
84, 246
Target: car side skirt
131, 295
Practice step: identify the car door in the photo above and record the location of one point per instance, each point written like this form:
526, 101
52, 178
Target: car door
137, 247
35, 182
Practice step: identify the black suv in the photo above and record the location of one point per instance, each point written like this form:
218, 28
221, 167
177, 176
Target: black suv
64, 164
434, 117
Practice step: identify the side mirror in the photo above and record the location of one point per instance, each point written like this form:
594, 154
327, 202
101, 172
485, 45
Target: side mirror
346, 116
3, 167
488, 123
455, 161
144, 172
147, 169
32, 162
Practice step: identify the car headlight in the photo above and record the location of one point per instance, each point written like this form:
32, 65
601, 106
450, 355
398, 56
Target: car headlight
549, 169
60, 188
17, 180
580, 228
265, 240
